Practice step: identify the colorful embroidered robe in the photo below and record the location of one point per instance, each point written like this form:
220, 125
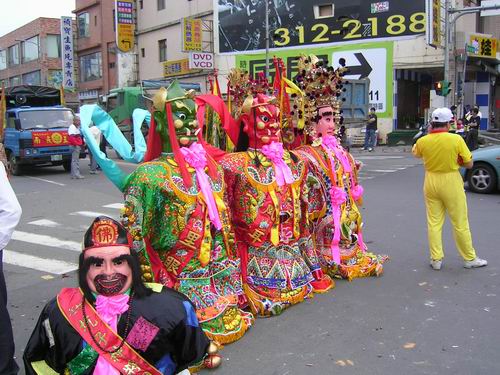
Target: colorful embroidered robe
355, 261
199, 260
163, 330
270, 222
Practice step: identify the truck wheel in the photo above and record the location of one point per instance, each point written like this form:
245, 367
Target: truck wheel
13, 165
67, 166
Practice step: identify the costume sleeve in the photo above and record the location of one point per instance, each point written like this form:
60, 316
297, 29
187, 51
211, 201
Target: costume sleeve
416, 150
40, 355
191, 343
463, 151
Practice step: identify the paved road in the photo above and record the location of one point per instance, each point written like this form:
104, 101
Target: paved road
412, 320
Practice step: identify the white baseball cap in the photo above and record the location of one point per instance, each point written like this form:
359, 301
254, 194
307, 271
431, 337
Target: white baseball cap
442, 115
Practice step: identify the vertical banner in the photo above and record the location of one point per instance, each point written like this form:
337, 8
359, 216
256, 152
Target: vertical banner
125, 25
191, 34
68, 64
433, 25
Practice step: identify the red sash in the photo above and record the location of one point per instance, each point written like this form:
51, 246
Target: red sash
126, 360
187, 245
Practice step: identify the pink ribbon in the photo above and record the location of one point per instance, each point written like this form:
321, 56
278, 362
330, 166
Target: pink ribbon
109, 308
274, 152
337, 196
196, 157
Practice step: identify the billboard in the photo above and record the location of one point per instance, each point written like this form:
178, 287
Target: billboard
191, 34
125, 25
314, 23
365, 60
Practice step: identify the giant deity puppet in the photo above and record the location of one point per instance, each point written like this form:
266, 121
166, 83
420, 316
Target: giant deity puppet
338, 226
177, 213
267, 192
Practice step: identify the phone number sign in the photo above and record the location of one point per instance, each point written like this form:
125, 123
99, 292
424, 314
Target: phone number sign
307, 23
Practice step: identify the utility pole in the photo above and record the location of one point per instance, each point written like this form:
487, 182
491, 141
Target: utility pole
447, 46
266, 71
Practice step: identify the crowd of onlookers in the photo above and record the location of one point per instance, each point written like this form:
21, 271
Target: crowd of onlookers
468, 125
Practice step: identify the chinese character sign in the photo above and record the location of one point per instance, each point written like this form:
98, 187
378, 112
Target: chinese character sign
480, 45
191, 34
68, 64
175, 67
125, 25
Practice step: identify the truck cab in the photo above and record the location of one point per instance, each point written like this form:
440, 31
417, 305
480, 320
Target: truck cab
36, 129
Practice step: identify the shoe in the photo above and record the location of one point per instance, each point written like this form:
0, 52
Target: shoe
93, 172
475, 263
79, 177
370, 149
436, 264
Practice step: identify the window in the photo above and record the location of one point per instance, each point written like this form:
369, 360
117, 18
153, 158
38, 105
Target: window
141, 4
14, 55
54, 46
162, 49
143, 52
324, 11
54, 78
161, 4
3, 59
32, 78
83, 20
30, 48
15, 81
95, 20
91, 67
114, 20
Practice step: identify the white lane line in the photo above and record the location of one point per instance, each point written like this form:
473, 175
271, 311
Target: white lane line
45, 223
118, 206
367, 178
88, 214
54, 266
382, 170
44, 180
377, 157
41, 239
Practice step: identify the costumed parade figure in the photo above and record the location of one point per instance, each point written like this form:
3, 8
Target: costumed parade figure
267, 192
114, 323
338, 227
177, 212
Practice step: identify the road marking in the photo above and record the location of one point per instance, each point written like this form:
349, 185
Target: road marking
377, 157
54, 266
41, 239
118, 206
382, 170
44, 180
88, 214
366, 178
45, 223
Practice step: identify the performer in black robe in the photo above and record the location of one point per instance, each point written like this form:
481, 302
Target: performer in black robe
81, 331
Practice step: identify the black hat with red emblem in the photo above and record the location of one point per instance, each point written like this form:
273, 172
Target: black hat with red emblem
105, 231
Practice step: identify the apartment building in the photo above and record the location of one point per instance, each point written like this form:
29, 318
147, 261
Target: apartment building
159, 34
102, 66
31, 55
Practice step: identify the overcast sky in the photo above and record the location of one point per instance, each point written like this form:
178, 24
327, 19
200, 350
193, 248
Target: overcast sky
16, 13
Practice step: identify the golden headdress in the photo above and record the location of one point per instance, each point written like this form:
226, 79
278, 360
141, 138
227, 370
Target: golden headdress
321, 86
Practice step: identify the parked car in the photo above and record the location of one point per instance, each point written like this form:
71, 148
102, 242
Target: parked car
484, 176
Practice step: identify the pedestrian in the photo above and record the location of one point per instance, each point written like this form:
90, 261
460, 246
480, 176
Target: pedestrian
76, 144
443, 153
371, 130
10, 213
96, 133
113, 323
454, 122
473, 133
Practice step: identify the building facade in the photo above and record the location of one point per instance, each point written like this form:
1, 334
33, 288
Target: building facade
31, 55
102, 66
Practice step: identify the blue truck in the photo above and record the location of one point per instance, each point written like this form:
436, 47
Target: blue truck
35, 131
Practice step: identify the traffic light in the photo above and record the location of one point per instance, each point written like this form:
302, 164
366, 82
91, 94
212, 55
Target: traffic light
446, 89
442, 88
460, 87
438, 87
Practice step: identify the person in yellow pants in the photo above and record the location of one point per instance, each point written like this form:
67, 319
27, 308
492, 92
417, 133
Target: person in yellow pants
443, 153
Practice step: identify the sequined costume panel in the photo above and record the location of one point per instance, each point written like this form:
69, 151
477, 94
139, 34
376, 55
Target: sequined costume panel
355, 261
271, 230
160, 208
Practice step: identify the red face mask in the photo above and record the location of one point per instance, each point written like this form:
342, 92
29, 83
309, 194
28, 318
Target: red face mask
262, 124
